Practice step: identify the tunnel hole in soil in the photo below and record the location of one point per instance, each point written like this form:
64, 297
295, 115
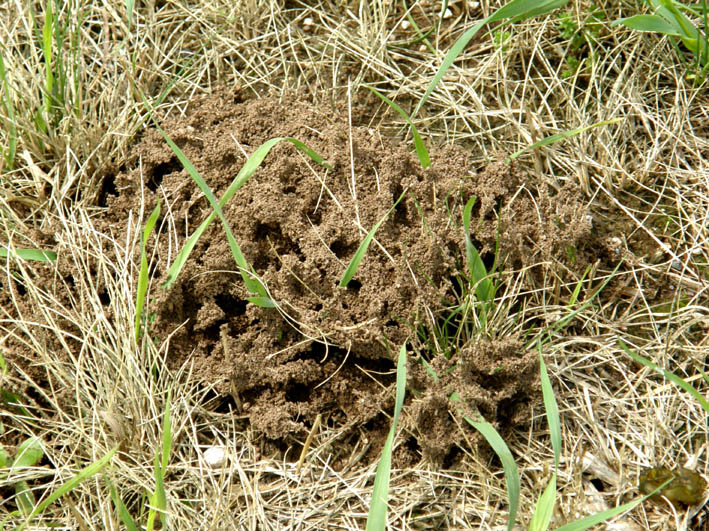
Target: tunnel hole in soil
298, 393
160, 171
342, 249
230, 305
108, 187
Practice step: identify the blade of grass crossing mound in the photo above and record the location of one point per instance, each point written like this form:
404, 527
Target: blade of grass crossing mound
545, 504
508, 464
667, 374
359, 254
376, 520
249, 168
143, 275
516, 10
83, 475
252, 285
421, 151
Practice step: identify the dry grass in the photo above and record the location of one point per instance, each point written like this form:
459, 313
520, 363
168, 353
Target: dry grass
646, 178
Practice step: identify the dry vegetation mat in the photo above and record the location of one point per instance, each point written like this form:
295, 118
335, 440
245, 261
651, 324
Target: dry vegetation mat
505, 319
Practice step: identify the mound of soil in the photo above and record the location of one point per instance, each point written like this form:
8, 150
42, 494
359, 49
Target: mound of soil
325, 349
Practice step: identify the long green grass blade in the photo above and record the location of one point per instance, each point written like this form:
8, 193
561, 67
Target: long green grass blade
253, 285
159, 499
561, 136
249, 168
47, 53
143, 274
359, 254
81, 476
544, 509
599, 518
667, 374
123, 511
484, 288
11, 127
376, 520
515, 10
552, 409
36, 255
421, 151
508, 464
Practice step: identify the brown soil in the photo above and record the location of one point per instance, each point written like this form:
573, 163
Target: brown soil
296, 225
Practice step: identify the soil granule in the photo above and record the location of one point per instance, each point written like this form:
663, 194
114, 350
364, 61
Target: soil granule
329, 350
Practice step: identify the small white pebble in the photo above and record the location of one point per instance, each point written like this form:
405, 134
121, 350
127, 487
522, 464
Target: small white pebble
589, 219
214, 456
447, 14
308, 22
405, 24
474, 5
422, 48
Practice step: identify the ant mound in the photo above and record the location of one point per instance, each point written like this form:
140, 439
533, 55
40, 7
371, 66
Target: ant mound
324, 349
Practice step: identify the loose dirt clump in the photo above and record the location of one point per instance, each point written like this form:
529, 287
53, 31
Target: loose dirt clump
330, 350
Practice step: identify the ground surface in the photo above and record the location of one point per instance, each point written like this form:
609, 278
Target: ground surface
624, 203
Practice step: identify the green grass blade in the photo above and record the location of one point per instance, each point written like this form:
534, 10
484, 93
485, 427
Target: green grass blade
123, 511
599, 518
550, 330
29, 453
376, 520
158, 500
252, 285
36, 255
11, 127
249, 168
47, 53
508, 464
359, 254
577, 289
24, 498
561, 136
81, 476
130, 4
552, 409
516, 10
166, 434
421, 151
143, 275
648, 23
545, 504
544, 509
667, 374
484, 288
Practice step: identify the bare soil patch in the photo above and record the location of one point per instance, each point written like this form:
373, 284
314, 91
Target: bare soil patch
299, 226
